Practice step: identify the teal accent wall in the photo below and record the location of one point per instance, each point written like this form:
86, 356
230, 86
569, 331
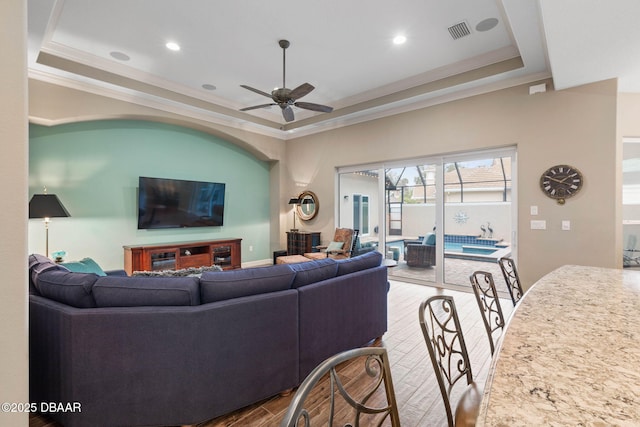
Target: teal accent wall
94, 168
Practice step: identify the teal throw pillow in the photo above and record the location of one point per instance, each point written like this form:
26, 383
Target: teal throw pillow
85, 265
429, 239
335, 246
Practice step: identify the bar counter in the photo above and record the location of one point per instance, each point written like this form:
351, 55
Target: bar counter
570, 354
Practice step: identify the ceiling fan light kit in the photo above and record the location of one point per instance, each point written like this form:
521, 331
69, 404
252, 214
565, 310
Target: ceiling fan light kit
284, 97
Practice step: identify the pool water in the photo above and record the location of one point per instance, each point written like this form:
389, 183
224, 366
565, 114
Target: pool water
464, 248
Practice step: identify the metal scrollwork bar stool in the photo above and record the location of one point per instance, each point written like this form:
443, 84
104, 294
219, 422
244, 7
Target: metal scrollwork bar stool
488, 302
370, 396
510, 273
445, 342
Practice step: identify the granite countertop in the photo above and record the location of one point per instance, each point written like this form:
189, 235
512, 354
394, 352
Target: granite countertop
570, 354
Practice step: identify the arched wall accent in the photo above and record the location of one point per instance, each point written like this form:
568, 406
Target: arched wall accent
52, 104
94, 168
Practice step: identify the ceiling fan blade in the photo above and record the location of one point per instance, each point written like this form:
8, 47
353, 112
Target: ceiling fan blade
287, 113
268, 95
301, 91
314, 107
257, 106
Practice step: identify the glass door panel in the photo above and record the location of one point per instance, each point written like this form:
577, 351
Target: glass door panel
411, 212
477, 217
631, 203
358, 193
439, 218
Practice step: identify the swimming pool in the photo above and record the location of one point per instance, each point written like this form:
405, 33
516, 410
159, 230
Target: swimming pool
467, 247
474, 248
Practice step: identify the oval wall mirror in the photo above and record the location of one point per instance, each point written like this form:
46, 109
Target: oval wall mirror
308, 207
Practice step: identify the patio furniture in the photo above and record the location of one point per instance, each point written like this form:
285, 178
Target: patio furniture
421, 254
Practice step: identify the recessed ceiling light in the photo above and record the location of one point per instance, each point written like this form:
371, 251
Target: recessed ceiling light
119, 56
208, 86
487, 24
173, 46
399, 39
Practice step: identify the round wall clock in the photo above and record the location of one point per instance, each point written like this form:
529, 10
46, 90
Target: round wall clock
561, 182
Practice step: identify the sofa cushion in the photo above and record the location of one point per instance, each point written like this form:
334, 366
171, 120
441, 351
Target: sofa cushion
146, 291
314, 271
69, 288
223, 285
360, 262
85, 265
39, 264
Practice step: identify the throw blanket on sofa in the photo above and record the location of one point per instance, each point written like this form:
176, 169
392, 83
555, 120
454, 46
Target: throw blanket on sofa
191, 271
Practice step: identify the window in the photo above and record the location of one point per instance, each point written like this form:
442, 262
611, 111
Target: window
361, 213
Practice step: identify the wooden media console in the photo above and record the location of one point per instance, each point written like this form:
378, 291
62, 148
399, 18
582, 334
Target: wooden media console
225, 253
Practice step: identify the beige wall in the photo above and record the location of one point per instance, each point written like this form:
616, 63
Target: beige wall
14, 370
575, 126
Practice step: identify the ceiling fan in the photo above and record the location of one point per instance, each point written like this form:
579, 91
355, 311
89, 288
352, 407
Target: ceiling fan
284, 97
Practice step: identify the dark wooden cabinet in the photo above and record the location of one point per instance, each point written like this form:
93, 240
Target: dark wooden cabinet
301, 242
225, 253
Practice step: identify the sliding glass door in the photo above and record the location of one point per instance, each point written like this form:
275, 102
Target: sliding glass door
477, 220
358, 198
439, 218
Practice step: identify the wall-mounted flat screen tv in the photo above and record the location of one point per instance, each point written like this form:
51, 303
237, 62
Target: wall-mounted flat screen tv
176, 203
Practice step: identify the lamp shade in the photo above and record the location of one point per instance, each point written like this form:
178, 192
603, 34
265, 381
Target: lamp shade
46, 206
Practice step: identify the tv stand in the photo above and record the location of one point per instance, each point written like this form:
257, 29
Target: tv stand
225, 253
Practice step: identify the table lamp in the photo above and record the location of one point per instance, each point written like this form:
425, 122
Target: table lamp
294, 201
46, 206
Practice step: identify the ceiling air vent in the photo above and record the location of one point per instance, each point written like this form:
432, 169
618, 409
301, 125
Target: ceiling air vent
459, 30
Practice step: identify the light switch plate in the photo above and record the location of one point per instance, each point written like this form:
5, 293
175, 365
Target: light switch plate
566, 225
538, 224
534, 210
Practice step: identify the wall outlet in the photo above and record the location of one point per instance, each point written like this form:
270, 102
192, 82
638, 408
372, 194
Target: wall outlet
539, 224
250, 248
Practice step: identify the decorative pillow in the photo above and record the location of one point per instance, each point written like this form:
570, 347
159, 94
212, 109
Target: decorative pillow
239, 283
360, 262
429, 239
335, 246
146, 291
85, 265
314, 271
69, 288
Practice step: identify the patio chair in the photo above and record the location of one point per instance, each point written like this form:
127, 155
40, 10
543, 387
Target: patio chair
421, 254
341, 246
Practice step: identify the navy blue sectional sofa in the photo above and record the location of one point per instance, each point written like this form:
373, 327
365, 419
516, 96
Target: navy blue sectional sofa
157, 351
